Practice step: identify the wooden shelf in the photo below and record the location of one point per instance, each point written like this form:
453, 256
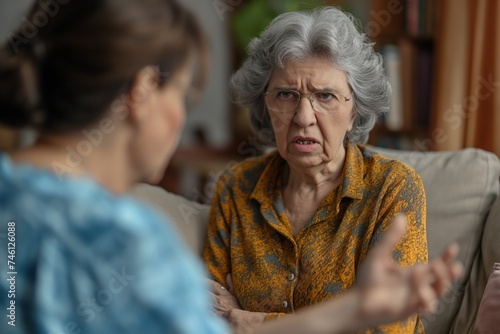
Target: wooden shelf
201, 165
405, 36
397, 37
9, 139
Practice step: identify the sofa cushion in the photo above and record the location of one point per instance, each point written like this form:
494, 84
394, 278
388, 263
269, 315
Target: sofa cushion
460, 188
190, 218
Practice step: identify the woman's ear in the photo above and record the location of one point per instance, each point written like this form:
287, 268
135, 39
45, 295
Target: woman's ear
143, 87
352, 120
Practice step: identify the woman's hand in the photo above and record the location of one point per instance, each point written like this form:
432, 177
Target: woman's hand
245, 322
389, 292
227, 306
224, 300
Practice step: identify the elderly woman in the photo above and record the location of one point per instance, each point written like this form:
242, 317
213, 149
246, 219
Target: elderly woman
290, 229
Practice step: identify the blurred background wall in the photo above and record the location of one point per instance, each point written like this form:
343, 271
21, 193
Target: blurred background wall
440, 56
210, 121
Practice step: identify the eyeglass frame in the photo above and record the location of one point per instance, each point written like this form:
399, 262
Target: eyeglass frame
311, 99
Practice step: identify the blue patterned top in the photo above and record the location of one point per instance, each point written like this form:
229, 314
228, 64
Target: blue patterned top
85, 261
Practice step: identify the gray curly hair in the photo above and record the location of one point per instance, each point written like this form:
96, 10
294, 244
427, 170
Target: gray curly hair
296, 36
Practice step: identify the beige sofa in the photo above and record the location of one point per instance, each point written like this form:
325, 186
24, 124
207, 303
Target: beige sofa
463, 205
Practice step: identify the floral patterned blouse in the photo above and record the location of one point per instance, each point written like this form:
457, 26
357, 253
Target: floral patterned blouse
250, 236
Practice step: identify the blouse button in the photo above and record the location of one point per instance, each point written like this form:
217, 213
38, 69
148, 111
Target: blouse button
284, 304
291, 277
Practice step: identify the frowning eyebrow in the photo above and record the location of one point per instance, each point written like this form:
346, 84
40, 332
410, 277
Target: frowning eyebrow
324, 88
315, 89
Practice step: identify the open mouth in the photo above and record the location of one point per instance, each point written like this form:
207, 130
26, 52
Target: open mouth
305, 142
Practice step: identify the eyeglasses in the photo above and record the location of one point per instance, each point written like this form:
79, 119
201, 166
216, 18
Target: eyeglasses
283, 100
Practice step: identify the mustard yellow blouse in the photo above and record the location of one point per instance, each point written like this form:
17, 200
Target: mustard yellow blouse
249, 234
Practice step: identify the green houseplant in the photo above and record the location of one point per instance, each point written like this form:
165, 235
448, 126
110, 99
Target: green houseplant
255, 15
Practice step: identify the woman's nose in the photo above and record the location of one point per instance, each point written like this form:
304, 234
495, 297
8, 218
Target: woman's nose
305, 113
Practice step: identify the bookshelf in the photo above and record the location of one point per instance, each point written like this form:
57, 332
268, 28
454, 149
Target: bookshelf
404, 33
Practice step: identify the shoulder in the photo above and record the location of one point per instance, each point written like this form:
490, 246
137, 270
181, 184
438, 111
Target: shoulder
378, 174
133, 231
250, 170
77, 215
389, 170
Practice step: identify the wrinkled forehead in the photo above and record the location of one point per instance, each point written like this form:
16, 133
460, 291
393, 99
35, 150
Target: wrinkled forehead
312, 72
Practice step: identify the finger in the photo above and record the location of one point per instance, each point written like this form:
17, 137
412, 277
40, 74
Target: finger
424, 293
216, 288
213, 299
451, 252
450, 258
215, 304
442, 276
211, 283
229, 283
457, 270
219, 305
216, 301
391, 237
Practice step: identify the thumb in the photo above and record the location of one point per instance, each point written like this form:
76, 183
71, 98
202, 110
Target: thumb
229, 283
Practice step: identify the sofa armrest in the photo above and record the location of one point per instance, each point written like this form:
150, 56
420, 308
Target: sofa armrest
461, 187
190, 218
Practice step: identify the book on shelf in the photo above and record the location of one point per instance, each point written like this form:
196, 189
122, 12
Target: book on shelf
408, 66
424, 89
416, 18
391, 54
420, 17
408, 82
